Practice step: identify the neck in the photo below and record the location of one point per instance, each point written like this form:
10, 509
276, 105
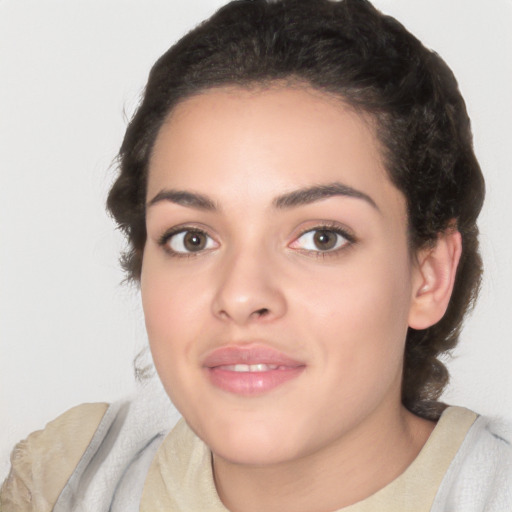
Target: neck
352, 468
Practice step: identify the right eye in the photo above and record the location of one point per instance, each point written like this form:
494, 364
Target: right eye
188, 241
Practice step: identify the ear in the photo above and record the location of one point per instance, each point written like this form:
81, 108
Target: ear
433, 280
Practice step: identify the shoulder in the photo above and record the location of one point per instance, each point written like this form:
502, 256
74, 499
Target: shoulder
42, 463
489, 444
480, 475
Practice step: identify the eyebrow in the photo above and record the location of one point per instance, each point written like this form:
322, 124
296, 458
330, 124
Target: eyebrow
315, 193
184, 198
292, 199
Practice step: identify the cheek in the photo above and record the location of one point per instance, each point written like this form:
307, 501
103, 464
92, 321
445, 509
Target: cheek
170, 296
361, 311
363, 293
173, 311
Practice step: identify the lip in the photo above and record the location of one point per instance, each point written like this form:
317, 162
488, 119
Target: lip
220, 367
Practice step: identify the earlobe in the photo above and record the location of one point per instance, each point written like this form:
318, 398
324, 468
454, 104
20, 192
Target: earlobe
434, 278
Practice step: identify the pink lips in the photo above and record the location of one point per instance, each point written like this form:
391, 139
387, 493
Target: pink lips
250, 369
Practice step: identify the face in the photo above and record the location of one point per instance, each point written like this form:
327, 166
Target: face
276, 278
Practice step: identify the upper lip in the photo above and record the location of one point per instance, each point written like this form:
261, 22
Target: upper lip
248, 354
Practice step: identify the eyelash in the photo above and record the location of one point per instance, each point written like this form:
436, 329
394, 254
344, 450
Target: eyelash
330, 227
163, 241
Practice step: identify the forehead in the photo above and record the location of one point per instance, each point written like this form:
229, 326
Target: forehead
266, 141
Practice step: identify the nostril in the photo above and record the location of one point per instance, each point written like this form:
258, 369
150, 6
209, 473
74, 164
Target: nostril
261, 312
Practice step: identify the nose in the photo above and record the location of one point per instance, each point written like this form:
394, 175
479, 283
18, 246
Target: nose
248, 289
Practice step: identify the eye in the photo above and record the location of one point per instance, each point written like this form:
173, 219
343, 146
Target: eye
187, 241
322, 240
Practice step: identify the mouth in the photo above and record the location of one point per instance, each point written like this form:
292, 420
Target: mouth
250, 370
258, 367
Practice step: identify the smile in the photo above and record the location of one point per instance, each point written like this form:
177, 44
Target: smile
250, 370
260, 367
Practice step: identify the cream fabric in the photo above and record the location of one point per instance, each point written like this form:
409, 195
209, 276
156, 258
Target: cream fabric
180, 477
181, 480
416, 488
480, 476
42, 463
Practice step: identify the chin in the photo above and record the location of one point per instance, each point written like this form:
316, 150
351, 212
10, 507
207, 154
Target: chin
256, 443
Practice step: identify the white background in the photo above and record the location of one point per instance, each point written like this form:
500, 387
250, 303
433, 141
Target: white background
71, 72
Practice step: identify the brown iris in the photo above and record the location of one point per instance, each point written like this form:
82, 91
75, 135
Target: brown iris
194, 241
325, 240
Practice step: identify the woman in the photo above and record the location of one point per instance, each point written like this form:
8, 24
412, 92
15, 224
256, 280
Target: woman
300, 195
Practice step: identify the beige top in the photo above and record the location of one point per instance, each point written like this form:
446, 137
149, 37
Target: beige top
180, 478
42, 463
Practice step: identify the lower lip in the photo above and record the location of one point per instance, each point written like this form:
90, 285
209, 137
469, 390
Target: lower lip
252, 383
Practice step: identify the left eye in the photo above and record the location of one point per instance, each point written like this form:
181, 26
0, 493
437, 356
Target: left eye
324, 240
189, 241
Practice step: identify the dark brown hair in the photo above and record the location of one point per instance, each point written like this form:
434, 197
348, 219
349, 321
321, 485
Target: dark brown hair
374, 64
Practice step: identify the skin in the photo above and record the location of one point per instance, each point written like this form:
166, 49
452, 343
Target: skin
338, 432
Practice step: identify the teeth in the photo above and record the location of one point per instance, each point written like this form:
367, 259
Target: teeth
260, 367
